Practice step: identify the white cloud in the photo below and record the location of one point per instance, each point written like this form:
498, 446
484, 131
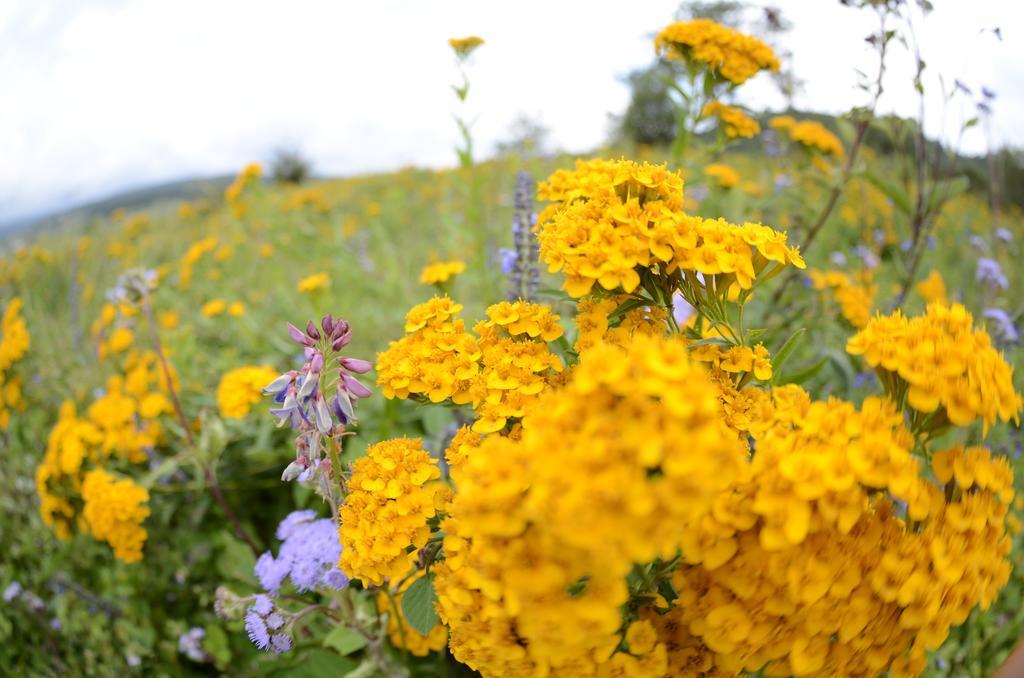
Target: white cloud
107, 94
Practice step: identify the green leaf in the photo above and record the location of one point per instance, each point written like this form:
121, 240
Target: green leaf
235, 561
418, 604
943, 193
725, 343
435, 420
898, 196
319, 663
801, 376
216, 644
787, 349
345, 640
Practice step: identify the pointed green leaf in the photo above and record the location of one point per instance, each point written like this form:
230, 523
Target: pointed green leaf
787, 349
344, 640
418, 604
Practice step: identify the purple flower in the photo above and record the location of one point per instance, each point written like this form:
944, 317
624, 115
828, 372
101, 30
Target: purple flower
869, 258
1004, 235
309, 555
280, 643
263, 605
190, 644
257, 629
293, 521
990, 273
1002, 326
508, 259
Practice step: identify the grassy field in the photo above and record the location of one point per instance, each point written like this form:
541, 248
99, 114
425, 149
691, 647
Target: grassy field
222, 277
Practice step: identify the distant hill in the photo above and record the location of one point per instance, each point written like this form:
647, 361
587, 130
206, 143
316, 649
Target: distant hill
175, 191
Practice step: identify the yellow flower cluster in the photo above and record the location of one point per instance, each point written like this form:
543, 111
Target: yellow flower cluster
390, 499
501, 371
14, 344
14, 337
735, 122
855, 297
736, 359
306, 198
441, 271
933, 289
314, 282
114, 511
728, 54
593, 325
400, 633
941, 364
516, 364
241, 388
235, 193
610, 471
437, 358
192, 256
122, 423
611, 218
724, 176
808, 567
464, 46
809, 133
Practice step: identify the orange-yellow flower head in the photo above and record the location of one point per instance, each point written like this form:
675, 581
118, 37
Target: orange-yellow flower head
942, 364
728, 54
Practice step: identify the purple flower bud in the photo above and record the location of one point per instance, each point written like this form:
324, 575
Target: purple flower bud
292, 470
299, 336
337, 411
323, 415
342, 332
355, 365
345, 404
353, 386
316, 365
311, 330
279, 384
327, 322
308, 386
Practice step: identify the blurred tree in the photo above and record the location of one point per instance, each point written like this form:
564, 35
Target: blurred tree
527, 137
289, 166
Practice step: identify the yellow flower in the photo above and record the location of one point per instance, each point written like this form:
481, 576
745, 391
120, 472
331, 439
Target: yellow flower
943, 364
314, 283
390, 498
14, 336
236, 309
441, 271
933, 288
608, 471
114, 511
437, 359
168, 319
855, 297
213, 308
610, 219
811, 134
241, 388
464, 46
725, 176
735, 122
729, 54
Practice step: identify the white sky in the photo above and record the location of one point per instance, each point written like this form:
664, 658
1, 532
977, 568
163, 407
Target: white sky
103, 95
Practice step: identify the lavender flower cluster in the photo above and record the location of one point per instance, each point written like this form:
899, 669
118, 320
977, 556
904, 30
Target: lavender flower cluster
520, 263
265, 626
309, 555
315, 400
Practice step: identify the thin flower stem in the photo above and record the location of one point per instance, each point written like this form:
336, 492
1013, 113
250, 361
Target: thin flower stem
211, 478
